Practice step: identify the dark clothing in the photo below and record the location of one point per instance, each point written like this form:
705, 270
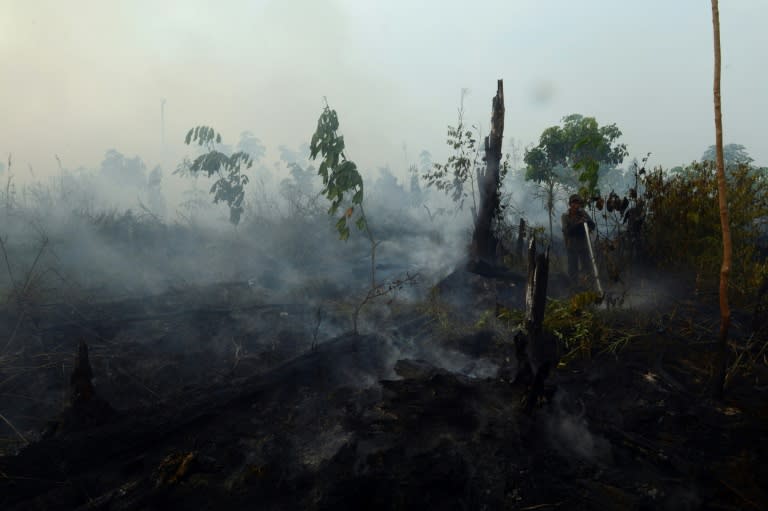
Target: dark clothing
578, 259
572, 225
576, 243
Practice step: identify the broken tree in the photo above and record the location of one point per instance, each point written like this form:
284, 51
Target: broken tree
536, 352
484, 241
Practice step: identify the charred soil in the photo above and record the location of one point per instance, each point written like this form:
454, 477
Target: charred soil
231, 402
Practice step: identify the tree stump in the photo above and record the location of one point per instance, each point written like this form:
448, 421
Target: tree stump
85, 407
484, 240
536, 352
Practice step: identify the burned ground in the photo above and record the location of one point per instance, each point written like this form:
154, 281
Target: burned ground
230, 396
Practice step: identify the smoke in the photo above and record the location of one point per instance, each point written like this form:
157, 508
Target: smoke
568, 429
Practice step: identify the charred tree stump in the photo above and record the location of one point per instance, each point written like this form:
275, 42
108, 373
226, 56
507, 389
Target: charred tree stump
536, 290
536, 352
484, 240
520, 240
85, 408
80, 382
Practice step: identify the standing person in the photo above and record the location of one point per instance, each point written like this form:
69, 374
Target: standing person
576, 238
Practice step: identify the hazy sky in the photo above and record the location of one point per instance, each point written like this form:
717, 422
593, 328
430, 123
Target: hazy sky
78, 77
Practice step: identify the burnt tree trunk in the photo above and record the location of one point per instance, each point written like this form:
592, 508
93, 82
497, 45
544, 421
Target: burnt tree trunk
80, 381
536, 352
520, 250
484, 241
536, 290
85, 408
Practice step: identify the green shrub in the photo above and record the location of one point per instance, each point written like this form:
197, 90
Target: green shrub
682, 228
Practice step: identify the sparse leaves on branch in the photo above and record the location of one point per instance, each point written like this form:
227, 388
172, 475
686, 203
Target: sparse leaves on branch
450, 177
462, 166
383, 289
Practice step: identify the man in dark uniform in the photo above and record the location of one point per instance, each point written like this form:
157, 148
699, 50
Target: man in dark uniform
576, 238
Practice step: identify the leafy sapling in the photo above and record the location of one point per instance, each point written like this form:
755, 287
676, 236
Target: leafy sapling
461, 167
231, 182
464, 166
341, 179
343, 186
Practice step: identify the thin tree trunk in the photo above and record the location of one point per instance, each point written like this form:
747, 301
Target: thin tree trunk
551, 208
374, 244
725, 268
484, 241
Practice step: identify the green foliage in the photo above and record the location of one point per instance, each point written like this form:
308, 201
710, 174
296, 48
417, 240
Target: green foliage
340, 175
231, 182
580, 145
446, 321
464, 165
733, 155
683, 226
452, 176
575, 322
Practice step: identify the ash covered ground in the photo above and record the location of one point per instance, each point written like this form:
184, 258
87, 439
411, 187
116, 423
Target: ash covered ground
248, 388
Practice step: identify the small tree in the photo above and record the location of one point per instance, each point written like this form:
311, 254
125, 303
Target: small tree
733, 155
229, 186
722, 189
462, 166
581, 146
547, 176
572, 155
342, 182
343, 186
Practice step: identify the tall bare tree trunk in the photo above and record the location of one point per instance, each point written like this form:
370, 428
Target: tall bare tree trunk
484, 241
725, 268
